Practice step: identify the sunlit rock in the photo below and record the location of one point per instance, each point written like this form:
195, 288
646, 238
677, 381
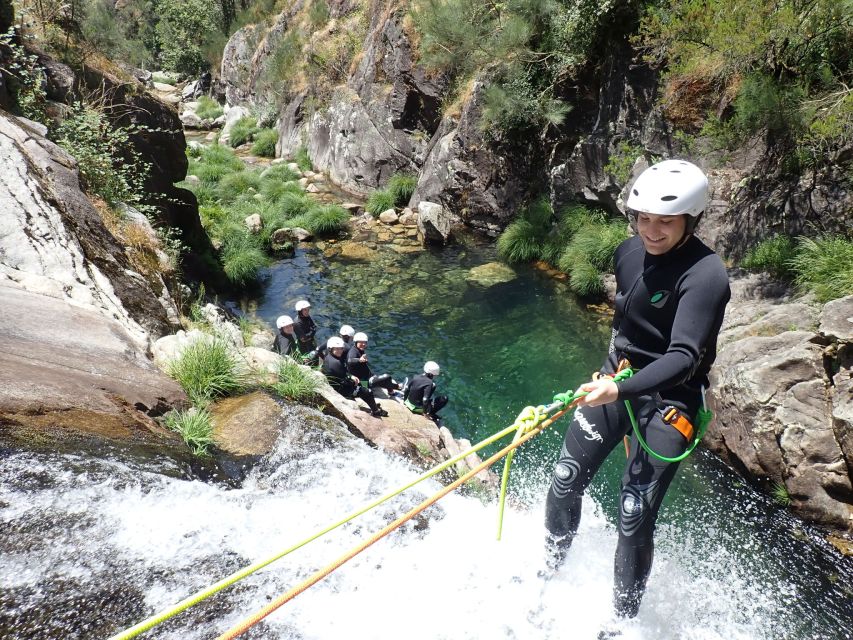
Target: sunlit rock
490, 274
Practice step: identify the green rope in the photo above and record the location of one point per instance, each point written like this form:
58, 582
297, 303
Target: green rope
197, 597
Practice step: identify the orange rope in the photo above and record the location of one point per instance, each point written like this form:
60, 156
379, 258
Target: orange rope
255, 618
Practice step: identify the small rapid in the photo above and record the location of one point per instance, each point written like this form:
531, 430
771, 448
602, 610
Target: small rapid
92, 545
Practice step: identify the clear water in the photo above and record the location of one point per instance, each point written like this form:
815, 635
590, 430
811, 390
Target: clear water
91, 544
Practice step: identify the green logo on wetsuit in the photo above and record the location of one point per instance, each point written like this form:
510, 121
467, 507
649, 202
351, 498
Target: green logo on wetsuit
659, 299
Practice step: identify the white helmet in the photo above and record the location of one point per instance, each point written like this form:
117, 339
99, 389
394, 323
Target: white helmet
302, 304
360, 337
432, 368
335, 343
283, 321
670, 188
346, 330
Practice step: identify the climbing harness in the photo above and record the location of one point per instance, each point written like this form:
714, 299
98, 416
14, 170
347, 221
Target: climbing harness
676, 419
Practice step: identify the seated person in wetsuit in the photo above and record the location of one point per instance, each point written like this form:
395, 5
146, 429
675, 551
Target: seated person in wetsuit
285, 339
334, 368
418, 393
357, 366
346, 333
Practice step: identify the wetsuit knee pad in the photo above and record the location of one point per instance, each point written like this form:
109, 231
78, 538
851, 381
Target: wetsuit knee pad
636, 512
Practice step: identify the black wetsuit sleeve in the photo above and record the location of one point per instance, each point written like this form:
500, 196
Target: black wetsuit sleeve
703, 296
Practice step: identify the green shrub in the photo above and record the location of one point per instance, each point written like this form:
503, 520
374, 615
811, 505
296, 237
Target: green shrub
520, 242
401, 186
294, 382
208, 108
237, 184
183, 29
163, 78
621, 161
292, 205
275, 190
379, 201
279, 173
242, 131
242, 258
206, 369
585, 279
594, 243
302, 159
87, 134
327, 219
209, 174
217, 154
780, 494
773, 255
195, 427
824, 266
264, 144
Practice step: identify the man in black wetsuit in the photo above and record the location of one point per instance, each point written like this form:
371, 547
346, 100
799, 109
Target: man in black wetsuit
285, 339
305, 328
418, 393
357, 365
335, 370
672, 292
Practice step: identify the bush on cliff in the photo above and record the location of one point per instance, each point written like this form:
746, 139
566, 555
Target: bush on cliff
294, 382
824, 266
772, 255
379, 201
264, 143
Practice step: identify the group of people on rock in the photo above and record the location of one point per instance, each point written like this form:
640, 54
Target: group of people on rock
343, 360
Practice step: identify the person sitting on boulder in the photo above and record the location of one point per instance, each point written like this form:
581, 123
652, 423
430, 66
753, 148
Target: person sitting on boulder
285, 339
357, 366
334, 368
418, 393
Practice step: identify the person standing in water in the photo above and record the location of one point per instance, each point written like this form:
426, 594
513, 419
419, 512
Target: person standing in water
672, 292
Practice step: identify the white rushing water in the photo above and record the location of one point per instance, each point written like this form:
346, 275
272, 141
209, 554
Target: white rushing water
103, 526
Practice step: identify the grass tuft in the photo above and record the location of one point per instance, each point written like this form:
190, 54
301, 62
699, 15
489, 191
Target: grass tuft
379, 201
264, 143
401, 186
294, 382
195, 427
206, 369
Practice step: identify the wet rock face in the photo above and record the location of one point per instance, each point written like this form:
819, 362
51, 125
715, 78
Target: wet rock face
77, 320
781, 418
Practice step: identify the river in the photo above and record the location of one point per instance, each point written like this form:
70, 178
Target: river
93, 542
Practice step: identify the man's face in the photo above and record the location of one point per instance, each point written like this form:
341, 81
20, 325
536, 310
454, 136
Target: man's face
305, 312
660, 233
361, 345
288, 329
337, 351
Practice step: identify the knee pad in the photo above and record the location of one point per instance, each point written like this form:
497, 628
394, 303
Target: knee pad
635, 510
565, 474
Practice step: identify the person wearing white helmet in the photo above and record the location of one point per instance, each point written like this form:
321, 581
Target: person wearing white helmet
419, 392
305, 328
346, 332
335, 370
357, 365
672, 292
285, 338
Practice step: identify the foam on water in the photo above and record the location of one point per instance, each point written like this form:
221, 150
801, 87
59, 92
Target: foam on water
107, 527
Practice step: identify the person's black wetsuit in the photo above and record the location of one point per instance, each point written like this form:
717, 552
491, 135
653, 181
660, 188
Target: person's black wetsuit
285, 344
361, 370
669, 310
306, 330
335, 371
418, 395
